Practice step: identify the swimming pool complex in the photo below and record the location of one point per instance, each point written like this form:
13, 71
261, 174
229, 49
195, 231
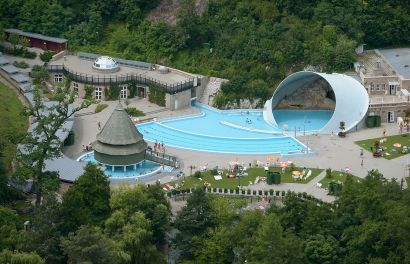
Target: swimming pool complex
236, 131
145, 168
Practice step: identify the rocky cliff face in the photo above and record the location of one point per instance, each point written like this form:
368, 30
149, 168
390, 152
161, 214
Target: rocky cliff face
313, 95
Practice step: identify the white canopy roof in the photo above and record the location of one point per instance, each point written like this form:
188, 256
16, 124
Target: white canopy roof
352, 100
105, 63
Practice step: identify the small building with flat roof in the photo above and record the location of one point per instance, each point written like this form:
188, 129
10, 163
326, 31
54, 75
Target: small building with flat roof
385, 74
40, 41
107, 78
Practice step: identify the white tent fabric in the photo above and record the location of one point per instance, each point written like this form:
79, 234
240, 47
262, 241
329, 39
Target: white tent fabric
352, 100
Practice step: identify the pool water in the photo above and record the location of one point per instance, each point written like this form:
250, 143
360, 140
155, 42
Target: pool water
234, 131
308, 120
144, 169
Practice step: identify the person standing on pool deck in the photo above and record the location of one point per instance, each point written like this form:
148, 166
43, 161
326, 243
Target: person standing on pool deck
362, 163
384, 132
99, 125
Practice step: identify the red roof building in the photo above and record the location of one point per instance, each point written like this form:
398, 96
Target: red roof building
40, 41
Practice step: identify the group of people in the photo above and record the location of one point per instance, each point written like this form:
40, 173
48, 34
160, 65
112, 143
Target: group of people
159, 147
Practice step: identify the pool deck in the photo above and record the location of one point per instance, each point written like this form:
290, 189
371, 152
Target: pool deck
329, 151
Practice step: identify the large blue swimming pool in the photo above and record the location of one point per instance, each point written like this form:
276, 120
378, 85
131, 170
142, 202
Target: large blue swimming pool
237, 131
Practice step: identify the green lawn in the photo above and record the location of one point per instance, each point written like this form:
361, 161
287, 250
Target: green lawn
12, 124
227, 183
336, 176
403, 139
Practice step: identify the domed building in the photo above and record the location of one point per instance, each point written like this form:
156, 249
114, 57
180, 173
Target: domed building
119, 143
105, 64
106, 78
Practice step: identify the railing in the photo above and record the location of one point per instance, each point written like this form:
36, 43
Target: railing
161, 158
121, 78
388, 100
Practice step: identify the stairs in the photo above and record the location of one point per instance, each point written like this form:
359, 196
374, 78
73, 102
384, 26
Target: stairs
213, 86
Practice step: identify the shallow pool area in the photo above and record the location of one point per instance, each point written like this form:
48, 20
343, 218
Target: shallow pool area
236, 131
302, 120
143, 169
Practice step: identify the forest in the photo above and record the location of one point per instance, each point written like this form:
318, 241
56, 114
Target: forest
254, 43
368, 223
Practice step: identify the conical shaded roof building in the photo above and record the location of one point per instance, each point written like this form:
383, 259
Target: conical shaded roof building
119, 142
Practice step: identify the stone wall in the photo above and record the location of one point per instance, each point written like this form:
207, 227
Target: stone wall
316, 94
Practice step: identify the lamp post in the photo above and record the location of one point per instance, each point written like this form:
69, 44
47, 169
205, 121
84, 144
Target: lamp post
307, 146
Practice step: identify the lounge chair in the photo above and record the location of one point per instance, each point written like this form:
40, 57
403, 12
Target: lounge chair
309, 173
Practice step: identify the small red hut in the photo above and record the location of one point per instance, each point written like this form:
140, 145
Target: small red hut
40, 41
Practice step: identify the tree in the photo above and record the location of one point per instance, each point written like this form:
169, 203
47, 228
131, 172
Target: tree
272, 245
194, 220
6, 256
39, 74
127, 200
90, 245
87, 201
43, 234
322, 250
43, 143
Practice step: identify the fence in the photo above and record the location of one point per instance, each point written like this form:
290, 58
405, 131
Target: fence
161, 158
243, 193
121, 79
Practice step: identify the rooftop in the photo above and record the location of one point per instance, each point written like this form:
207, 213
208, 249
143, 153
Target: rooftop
374, 65
35, 35
398, 59
79, 65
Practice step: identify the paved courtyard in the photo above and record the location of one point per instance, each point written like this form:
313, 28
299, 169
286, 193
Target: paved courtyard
329, 151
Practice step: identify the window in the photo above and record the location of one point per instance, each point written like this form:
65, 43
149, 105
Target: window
124, 92
377, 87
98, 93
58, 78
75, 88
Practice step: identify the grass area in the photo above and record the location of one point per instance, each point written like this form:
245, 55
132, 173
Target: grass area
408, 182
132, 111
228, 183
100, 107
403, 139
336, 176
13, 124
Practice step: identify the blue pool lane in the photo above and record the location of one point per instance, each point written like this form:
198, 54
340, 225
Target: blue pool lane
235, 131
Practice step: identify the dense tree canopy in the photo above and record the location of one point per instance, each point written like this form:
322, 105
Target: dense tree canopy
260, 40
366, 224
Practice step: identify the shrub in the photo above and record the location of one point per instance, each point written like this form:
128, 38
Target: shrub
214, 172
39, 74
100, 107
328, 173
46, 55
20, 64
132, 111
197, 174
89, 89
265, 192
156, 95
